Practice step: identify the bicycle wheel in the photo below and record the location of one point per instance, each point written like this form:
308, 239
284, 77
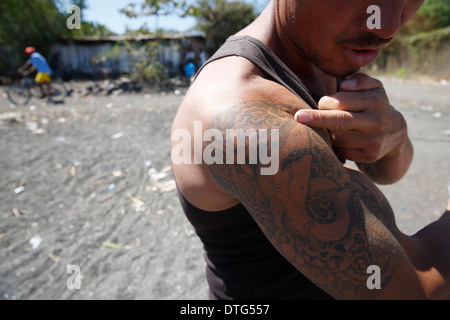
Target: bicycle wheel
35, 92
58, 92
18, 94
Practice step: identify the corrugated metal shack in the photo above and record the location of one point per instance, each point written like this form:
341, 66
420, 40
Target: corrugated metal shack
88, 56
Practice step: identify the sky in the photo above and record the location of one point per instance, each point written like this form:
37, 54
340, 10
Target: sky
106, 12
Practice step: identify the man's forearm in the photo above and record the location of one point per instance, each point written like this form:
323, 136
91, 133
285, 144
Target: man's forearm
398, 156
392, 167
435, 243
24, 67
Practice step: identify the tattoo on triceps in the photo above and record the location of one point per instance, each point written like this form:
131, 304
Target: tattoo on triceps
345, 223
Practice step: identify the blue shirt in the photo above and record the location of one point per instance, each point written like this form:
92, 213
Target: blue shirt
39, 62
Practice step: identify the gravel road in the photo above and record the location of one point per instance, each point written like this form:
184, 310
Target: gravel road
86, 186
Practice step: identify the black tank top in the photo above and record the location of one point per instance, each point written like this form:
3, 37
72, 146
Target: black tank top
240, 262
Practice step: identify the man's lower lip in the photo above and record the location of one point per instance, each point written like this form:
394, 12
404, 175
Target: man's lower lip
361, 58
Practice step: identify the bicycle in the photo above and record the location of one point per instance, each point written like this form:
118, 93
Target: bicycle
20, 93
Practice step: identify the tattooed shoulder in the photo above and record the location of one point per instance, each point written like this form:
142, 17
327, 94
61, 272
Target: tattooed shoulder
330, 222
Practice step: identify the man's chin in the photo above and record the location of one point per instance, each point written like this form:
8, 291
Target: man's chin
349, 73
342, 73
338, 71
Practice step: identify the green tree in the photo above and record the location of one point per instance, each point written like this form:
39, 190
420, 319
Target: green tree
91, 29
434, 14
142, 30
422, 45
159, 8
81, 4
25, 23
142, 58
219, 19
88, 28
437, 13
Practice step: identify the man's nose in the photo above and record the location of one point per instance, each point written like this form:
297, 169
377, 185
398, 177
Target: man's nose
385, 21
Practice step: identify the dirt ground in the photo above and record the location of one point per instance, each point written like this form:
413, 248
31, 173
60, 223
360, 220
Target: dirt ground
87, 186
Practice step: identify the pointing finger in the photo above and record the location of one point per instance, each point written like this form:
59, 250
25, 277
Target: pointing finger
329, 119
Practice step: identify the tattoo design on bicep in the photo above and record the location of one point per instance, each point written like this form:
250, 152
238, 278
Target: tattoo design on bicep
347, 230
340, 226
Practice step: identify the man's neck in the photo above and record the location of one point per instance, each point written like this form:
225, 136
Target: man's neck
267, 29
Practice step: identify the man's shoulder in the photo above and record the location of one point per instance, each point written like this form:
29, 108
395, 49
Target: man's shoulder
260, 113
236, 77
255, 113
242, 93
242, 98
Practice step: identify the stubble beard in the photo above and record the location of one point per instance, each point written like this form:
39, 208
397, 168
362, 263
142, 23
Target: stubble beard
329, 66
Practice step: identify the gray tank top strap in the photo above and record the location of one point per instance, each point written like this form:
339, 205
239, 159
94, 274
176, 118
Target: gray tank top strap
259, 54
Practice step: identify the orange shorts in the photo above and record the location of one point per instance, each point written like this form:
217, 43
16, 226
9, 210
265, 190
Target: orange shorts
42, 77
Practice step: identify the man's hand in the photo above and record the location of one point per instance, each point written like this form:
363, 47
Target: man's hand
363, 127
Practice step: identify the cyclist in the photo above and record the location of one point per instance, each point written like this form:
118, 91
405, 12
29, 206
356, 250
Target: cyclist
38, 63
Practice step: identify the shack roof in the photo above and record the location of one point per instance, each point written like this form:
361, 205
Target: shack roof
139, 37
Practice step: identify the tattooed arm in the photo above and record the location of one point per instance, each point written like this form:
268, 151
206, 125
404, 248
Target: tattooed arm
329, 221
